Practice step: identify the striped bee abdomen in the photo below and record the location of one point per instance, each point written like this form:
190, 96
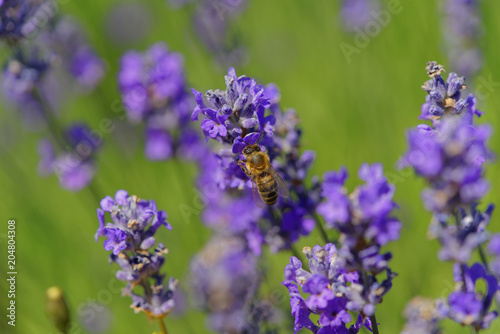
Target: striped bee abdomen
268, 188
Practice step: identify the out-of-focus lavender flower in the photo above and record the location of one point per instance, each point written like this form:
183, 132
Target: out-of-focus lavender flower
31, 80
423, 316
131, 238
467, 305
461, 32
225, 279
21, 78
451, 153
332, 291
494, 250
74, 166
68, 41
459, 240
357, 13
247, 113
362, 217
23, 18
212, 25
153, 91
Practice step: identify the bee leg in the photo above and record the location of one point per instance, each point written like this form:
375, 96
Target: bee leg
243, 167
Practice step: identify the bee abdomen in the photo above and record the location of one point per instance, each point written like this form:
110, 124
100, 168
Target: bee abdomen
270, 197
269, 192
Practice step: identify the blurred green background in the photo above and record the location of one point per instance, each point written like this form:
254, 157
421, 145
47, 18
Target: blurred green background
351, 113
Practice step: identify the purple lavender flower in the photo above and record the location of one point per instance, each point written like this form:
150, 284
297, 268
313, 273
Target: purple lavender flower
451, 153
494, 250
23, 18
131, 237
333, 292
153, 91
466, 305
235, 112
444, 98
74, 167
357, 13
363, 217
225, 279
461, 32
459, 240
245, 114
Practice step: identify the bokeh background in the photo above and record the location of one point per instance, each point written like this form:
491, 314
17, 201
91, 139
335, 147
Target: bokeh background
351, 112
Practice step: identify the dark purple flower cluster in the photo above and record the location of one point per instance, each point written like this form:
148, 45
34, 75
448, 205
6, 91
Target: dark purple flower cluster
235, 117
225, 279
451, 153
23, 18
462, 30
153, 91
74, 165
363, 217
131, 238
333, 292
247, 113
357, 13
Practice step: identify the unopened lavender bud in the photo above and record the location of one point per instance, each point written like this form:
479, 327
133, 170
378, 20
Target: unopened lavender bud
57, 309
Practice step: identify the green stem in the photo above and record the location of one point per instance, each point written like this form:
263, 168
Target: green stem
162, 326
54, 127
484, 260
373, 319
321, 228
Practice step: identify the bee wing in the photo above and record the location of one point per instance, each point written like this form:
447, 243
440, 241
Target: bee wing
282, 188
256, 196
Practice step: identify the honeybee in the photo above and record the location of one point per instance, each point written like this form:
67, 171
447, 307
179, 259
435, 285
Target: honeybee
266, 183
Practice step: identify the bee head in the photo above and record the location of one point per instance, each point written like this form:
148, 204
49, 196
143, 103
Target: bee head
250, 149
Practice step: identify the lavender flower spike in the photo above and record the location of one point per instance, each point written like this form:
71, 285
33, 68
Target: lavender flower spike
131, 238
332, 291
450, 154
152, 85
